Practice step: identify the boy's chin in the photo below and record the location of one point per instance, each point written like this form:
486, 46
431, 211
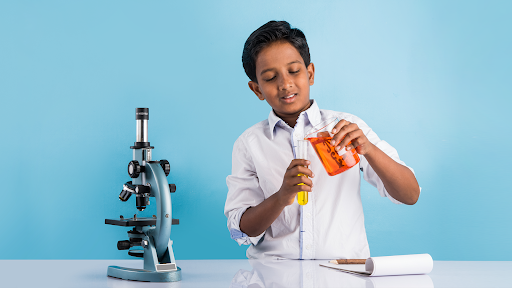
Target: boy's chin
296, 108
290, 108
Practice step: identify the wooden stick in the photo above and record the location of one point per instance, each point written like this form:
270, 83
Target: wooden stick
348, 261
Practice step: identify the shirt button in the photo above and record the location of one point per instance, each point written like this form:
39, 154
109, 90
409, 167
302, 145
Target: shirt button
308, 215
308, 247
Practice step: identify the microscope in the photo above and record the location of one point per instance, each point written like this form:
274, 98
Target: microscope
152, 234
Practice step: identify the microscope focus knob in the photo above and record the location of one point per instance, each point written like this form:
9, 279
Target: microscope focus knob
134, 169
172, 188
166, 166
123, 245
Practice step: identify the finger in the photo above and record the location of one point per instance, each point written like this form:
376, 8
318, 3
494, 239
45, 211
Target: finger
339, 125
299, 188
300, 170
336, 139
298, 162
301, 179
306, 171
296, 185
306, 181
353, 144
301, 182
351, 136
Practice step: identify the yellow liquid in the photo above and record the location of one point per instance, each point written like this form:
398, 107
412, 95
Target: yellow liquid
302, 196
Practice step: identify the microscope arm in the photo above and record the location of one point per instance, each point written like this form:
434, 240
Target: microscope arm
160, 189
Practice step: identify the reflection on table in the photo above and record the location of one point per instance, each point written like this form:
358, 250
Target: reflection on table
308, 273
248, 273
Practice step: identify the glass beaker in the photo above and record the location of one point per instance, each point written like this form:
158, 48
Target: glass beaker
334, 162
302, 153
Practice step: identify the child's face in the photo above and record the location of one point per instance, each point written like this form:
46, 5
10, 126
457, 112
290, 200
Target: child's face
283, 79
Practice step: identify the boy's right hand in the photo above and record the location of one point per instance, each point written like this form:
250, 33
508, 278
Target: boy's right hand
291, 179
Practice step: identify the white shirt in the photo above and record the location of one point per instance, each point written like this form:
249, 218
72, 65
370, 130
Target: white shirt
331, 225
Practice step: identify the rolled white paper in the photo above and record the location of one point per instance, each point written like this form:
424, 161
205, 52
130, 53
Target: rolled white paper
399, 265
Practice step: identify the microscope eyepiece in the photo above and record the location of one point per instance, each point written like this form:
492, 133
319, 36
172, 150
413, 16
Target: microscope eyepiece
141, 113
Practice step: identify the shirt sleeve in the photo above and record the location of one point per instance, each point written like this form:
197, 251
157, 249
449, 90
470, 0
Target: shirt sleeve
368, 173
244, 191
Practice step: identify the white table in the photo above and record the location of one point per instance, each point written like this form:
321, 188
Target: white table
242, 273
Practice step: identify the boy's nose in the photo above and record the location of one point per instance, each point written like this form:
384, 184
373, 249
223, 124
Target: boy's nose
285, 83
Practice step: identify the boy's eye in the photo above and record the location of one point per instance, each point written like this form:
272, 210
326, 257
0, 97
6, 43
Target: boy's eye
294, 72
270, 79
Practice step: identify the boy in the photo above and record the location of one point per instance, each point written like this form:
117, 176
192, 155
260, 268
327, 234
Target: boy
261, 208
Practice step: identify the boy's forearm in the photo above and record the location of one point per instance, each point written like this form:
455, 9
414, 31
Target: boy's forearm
399, 180
257, 219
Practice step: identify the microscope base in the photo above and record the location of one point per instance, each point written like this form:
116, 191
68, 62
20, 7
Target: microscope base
144, 275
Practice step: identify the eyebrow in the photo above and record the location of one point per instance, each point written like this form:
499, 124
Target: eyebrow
270, 69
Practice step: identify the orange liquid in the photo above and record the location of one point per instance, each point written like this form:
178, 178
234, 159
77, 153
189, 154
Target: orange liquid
333, 163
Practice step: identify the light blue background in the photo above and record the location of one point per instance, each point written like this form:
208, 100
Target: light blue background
433, 78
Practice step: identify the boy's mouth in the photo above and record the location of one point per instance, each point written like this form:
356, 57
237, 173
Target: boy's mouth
289, 98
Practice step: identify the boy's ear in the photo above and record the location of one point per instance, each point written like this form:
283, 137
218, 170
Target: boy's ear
256, 89
311, 73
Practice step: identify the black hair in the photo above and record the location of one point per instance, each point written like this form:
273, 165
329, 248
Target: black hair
270, 32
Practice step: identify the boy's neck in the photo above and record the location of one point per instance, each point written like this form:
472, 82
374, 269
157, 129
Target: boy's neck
291, 119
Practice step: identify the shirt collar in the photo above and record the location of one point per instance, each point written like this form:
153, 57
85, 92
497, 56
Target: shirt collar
312, 113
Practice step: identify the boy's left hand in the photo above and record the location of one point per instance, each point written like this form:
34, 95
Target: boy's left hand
345, 132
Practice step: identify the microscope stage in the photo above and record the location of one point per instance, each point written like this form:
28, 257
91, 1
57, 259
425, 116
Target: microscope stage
142, 221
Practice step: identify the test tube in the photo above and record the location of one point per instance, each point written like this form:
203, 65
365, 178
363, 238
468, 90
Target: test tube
302, 153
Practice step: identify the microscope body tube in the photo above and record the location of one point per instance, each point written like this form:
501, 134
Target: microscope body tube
142, 130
